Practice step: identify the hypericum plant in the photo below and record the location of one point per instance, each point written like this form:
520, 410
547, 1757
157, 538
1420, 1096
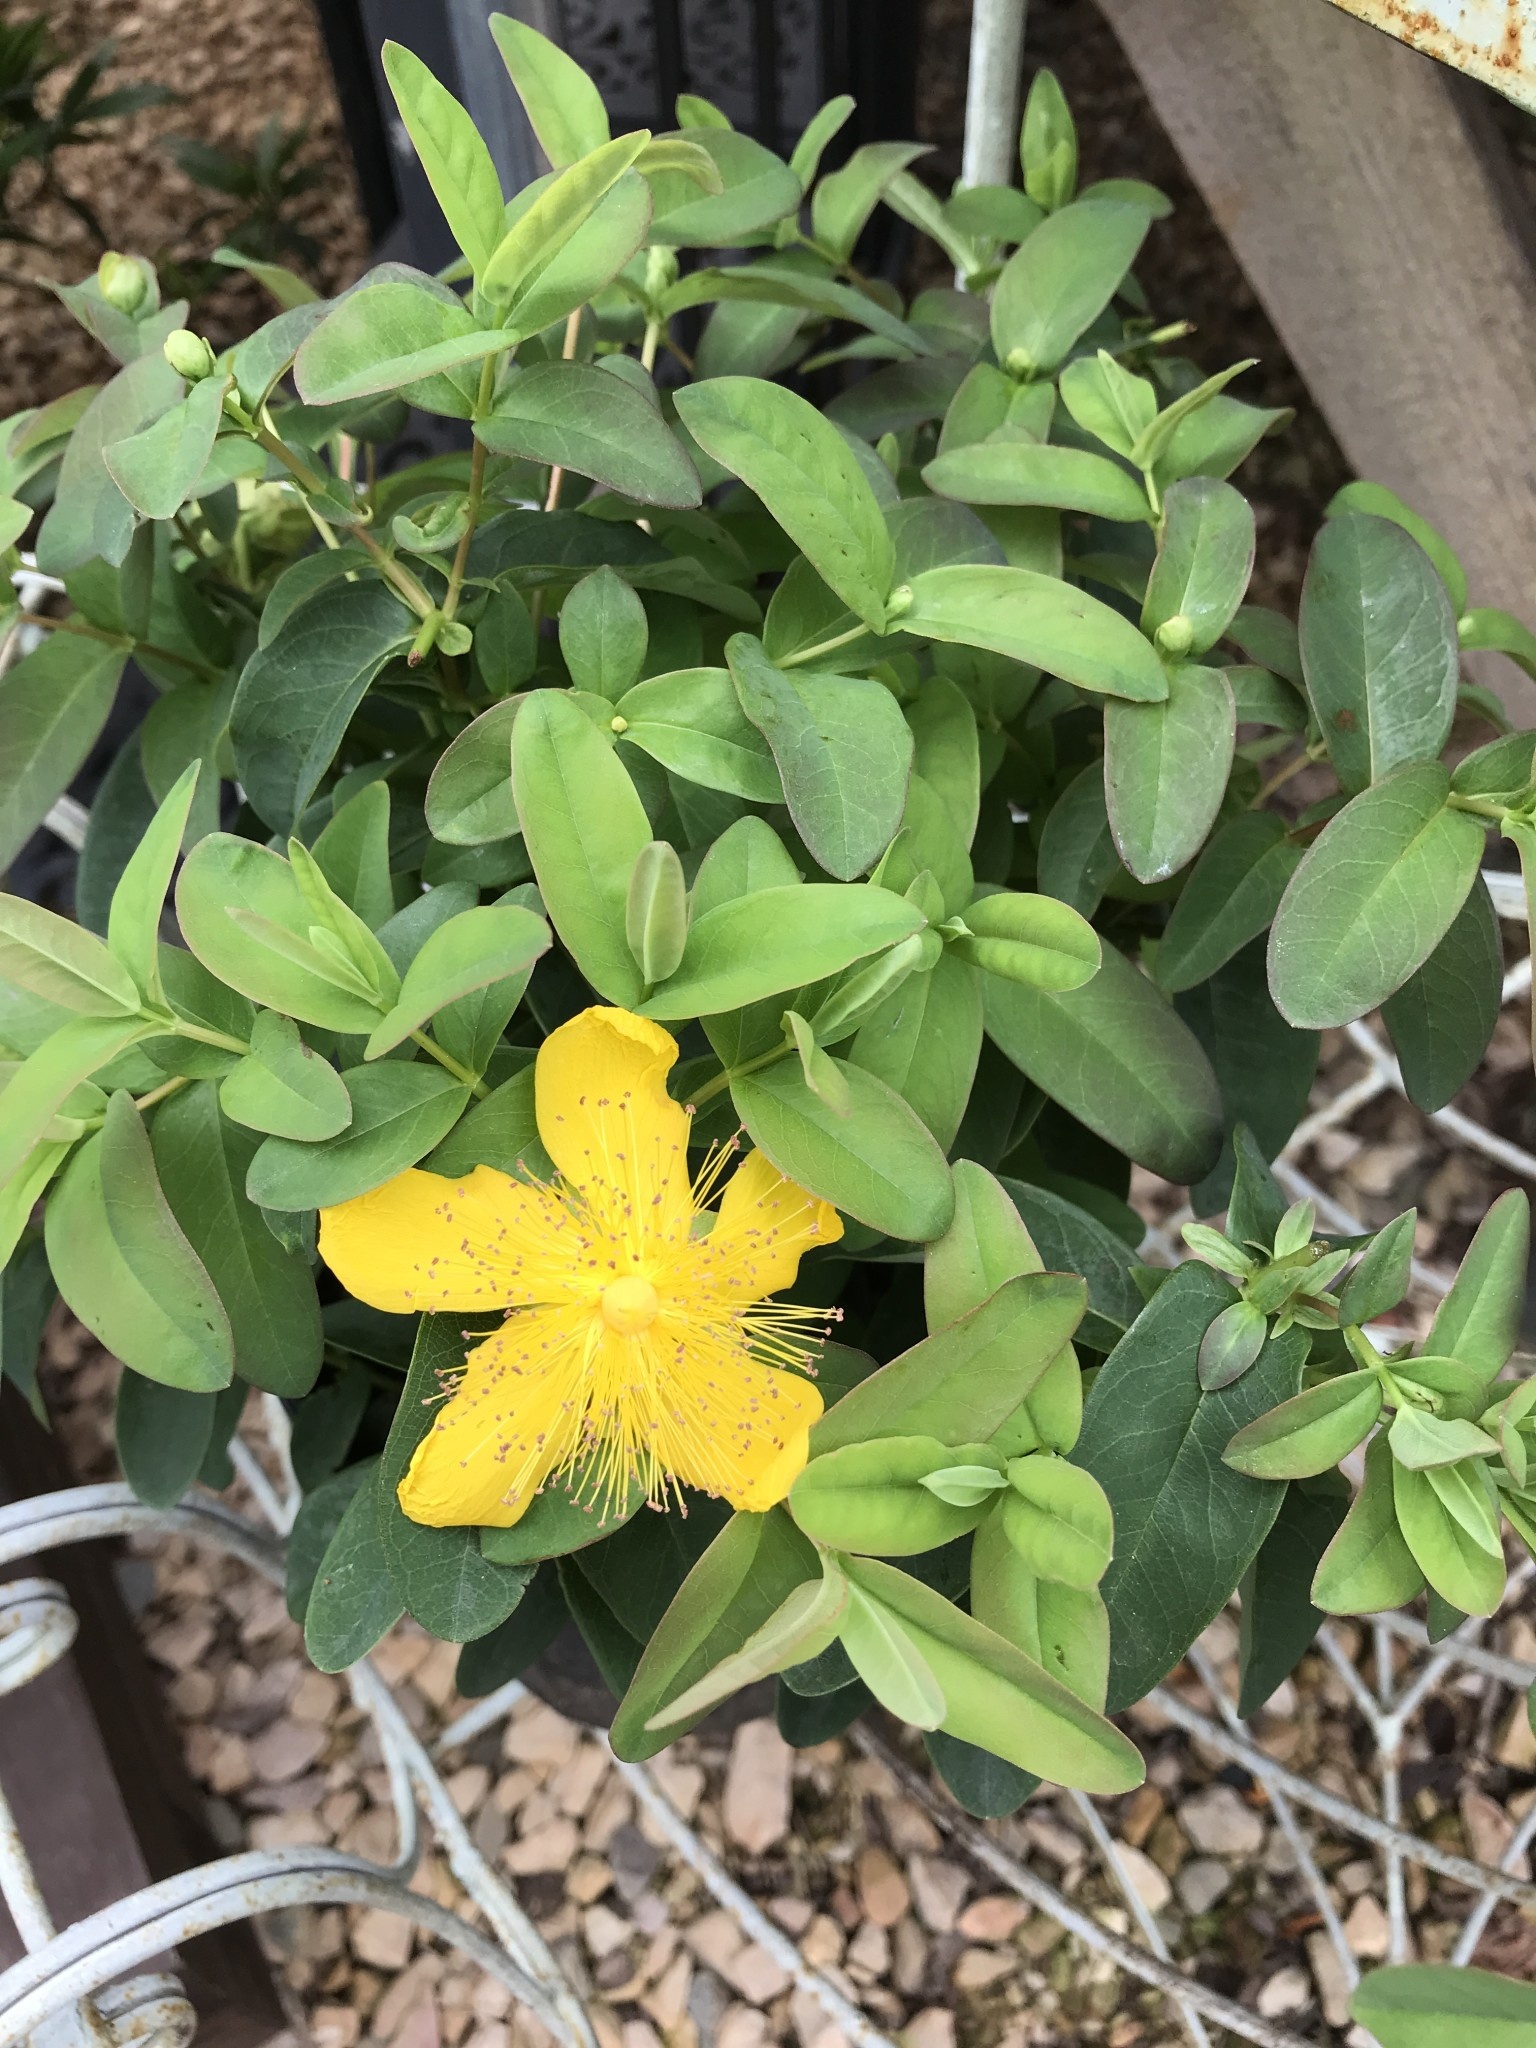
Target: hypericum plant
689, 872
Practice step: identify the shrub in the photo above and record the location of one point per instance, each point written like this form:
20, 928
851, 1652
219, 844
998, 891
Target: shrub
874, 811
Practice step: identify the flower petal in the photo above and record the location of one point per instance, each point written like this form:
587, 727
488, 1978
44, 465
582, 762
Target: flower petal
600, 1088
766, 1224
515, 1416
727, 1423
425, 1242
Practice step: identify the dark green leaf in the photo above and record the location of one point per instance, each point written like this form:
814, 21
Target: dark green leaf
1442, 1017
1186, 1526
1231, 895
1278, 1619
1165, 769
53, 704
595, 424
162, 1437
353, 1601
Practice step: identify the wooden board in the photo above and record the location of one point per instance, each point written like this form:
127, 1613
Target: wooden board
1365, 193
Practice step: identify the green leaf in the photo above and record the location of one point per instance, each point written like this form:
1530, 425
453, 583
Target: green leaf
353, 853
1381, 503
986, 1243
563, 104
1038, 619
501, 1131
870, 1497
584, 827
1381, 1279
157, 469
399, 1113
1115, 1054
1077, 857
755, 946
268, 1294
62, 962
745, 1576
1108, 401
544, 224
1204, 560
1048, 143
1056, 1517
125, 1267
966, 1380
806, 475
133, 920
1479, 1319
162, 1436
53, 705
947, 750
561, 1517
1186, 1526
265, 951
457, 163
1450, 1524
756, 190
656, 918
296, 695
801, 1626
90, 519
441, 1576
493, 1660
1215, 439
1278, 1620
283, 1088
583, 419
495, 943
843, 752
845, 198
1310, 1433
353, 1602
469, 798
1031, 939
1069, 1240
603, 634
1154, 441
1372, 898
1230, 896
1485, 626
889, 1660
1008, 472
1378, 645
385, 337
994, 1695
1231, 1344
1060, 280
982, 1784
691, 721
1165, 769
1424, 1442
1368, 1567
40, 1086
923, 1041
1428, 2005
878, 1163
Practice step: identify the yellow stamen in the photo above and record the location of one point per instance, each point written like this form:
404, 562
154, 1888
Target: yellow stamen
630, 1305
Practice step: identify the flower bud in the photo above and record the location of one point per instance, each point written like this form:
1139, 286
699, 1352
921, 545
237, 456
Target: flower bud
121, 281
188, 354
1175, 635
660, 271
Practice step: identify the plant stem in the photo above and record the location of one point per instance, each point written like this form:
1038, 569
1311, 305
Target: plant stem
129, 646
476, 491
1480, 806
202, 1034
455, 1067
1282, 776
142, 1102
727, 1075
649, 346
567, 352
823, 647
276, 446
404, 582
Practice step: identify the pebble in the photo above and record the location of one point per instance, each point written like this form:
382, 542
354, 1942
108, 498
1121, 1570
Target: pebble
549, 1848
1367, 1930
978, 1967
286, 1749
1201, 1882
1328, 1974
1145, 1879
933, 2027
883, 1894
1489, 1831
758, 1784
993, 1918
869, 1953
1287, 1992
382, 1940
938, 1891
1217, 1822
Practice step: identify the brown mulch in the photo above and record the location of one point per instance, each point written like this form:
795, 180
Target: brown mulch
233, 67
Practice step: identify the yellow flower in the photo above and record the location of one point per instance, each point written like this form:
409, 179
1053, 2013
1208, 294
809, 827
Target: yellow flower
637, 1348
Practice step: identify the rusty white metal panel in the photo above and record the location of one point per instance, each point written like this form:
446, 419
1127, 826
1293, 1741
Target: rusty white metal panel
1494, 40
